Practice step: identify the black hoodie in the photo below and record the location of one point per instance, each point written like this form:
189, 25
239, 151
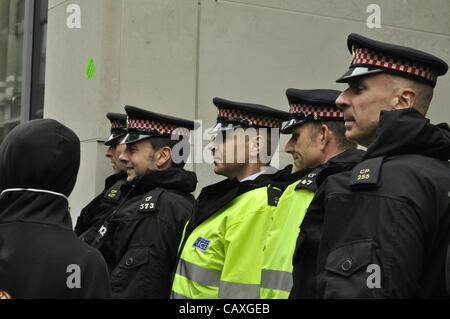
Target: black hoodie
140, 239
40, 256
385, 225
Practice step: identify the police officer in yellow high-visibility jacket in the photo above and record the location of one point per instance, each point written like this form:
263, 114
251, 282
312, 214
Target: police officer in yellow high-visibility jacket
221, 255
318, 137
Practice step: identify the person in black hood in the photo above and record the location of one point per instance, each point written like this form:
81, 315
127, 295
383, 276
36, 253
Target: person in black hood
40, 256
93, 215
140, 238
382, 229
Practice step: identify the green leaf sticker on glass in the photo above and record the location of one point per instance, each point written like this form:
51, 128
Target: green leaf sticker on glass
90, 69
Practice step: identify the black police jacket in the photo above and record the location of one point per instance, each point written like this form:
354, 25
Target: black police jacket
40, 256
382, 229
140, 239
94, 214
340, 163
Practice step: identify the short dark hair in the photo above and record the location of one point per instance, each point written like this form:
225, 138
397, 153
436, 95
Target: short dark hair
268, 149
160, 142
338, 129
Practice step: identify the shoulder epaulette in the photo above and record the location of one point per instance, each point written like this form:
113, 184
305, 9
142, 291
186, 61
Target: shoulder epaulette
149, 202
113, 194
273, 195
366, 174
309, 181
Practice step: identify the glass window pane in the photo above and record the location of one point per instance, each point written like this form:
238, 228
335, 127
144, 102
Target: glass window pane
11, 48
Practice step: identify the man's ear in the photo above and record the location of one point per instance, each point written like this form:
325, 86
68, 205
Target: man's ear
256, 145
406, 98
324, 136
163, 157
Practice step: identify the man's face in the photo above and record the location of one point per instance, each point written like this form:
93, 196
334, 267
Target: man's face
113, 152
230, 152
304, 147
138, 157
362, 103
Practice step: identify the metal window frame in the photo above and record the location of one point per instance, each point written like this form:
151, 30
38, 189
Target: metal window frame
40, 19
33, 18
27, 60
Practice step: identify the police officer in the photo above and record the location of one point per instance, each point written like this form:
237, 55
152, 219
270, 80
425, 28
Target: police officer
221, 254
385, 224
93, 215
318, 137
140, 239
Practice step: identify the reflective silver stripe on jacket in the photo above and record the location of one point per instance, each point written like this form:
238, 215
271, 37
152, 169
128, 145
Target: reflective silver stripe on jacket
211, 278
276, 279
233, 290
174, 295
201, 275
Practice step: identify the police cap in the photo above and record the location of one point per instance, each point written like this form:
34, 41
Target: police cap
370, 57
118, 127
311, 105
143, 124
236, 114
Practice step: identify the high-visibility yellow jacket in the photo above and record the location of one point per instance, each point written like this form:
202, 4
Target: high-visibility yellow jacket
222, 254
276, 278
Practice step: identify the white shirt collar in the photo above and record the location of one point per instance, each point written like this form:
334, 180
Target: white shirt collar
264, 170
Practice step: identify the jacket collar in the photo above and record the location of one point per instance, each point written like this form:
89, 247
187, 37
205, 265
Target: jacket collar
111, 180
176, 179
214, 197
407, 131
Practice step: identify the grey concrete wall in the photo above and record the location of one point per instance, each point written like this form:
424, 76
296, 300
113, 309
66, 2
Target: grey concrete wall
174, 56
